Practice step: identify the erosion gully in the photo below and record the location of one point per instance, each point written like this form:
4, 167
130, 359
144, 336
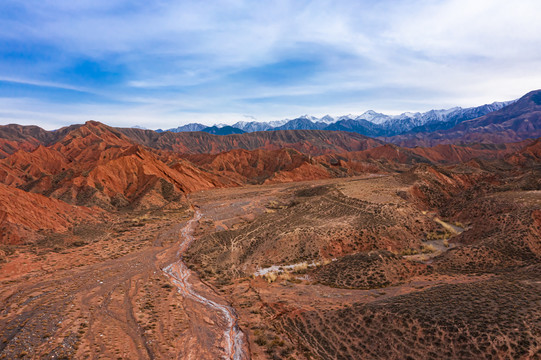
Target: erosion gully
233, 339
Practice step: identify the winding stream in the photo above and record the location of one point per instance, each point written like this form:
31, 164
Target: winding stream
233, 338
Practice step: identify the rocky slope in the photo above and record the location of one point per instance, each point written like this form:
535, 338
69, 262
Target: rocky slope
96, 165
15, 137
26, 217
311, 142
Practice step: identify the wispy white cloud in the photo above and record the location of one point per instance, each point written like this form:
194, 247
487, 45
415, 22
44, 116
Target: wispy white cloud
169, 62
41, 83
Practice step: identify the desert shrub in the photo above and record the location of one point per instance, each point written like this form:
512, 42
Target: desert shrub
271, 277
98, 185
286, 276
85, 195
313, 191
261, 341
7, 249
409, 251
427, 249
168, 191
300, 268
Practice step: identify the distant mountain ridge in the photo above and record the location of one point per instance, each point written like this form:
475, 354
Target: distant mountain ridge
225, 130
518, 121
370, 123
185, 128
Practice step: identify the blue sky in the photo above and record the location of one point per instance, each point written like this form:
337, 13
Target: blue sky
165, 63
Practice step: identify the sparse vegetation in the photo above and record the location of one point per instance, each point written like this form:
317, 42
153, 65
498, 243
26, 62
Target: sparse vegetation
424, 325
368, 271
271, 277
427, 249
410, 251
473, 296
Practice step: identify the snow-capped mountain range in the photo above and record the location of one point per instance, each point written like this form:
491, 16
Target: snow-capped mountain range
369, 123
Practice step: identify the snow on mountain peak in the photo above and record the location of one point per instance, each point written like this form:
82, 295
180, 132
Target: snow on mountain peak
374, 117
327, 119
392, 124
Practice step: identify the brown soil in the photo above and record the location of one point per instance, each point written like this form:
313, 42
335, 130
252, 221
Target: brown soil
109, 297
378, 304
340, 278
371, 270
106, 299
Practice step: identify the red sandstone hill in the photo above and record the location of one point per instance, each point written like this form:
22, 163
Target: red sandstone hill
24, 166
434, 186
23, 214
15, 137
256, 166
285, 165
452, 154
530, 154
95, 165
310, 142
387, 152
139, 178
390, 157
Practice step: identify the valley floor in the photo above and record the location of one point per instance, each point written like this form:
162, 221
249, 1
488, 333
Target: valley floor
377, 272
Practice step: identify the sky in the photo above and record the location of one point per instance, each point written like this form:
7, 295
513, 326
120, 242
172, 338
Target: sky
161, 64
